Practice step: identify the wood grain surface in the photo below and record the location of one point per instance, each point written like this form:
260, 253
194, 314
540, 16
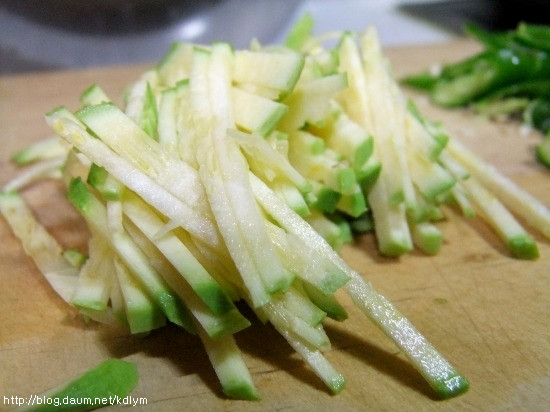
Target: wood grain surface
487, 312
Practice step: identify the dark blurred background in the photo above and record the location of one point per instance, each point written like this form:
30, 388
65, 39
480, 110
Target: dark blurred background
490, 14
59, 34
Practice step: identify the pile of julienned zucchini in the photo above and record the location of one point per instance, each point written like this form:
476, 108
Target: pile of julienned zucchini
233, 174
508, 78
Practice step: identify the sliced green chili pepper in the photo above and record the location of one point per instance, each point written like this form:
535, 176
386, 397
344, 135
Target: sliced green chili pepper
510, 76
492, 70
498, 40
534, 35
532, 89
537, 114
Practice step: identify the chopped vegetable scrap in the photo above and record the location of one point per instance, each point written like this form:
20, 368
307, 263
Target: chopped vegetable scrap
236, 175
108, 383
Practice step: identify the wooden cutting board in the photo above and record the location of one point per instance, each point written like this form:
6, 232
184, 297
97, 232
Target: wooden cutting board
488, 313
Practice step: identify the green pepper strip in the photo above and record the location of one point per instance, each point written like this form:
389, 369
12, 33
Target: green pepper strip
492, 69
533, 35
